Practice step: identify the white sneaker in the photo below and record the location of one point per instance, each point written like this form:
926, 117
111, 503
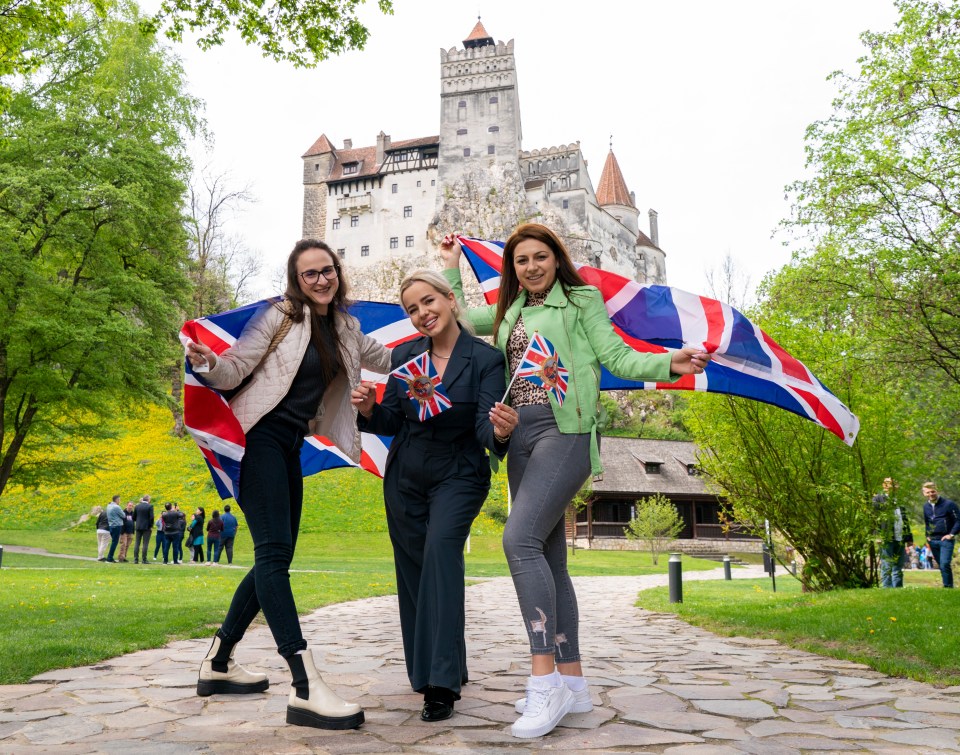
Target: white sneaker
542, 711
582, 702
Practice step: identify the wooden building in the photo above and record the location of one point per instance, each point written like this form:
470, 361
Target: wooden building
635, 468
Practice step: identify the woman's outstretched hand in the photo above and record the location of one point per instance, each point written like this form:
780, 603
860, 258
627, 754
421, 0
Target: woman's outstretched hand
689, 361
450, 252
200, 355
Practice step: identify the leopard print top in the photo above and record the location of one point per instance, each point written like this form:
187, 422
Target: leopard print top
523, 392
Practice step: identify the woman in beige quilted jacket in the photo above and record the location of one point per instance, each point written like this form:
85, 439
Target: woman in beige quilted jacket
303, 358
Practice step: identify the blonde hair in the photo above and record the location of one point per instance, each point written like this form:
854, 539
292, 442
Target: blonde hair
440, 284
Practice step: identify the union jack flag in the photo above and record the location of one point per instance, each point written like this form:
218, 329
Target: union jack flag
217, 432
541, 366
423, 386
746, 361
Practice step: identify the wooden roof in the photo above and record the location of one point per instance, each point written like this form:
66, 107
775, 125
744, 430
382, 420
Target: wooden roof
624, 463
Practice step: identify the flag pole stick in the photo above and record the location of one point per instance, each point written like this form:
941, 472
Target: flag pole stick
514, 376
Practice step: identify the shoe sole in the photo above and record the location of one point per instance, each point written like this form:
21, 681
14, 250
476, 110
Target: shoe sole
579, 706
207, 687
300, 717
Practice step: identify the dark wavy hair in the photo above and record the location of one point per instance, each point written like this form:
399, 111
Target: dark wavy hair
567, 275
330, 363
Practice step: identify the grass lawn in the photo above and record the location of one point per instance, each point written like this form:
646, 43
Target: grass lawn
909, 633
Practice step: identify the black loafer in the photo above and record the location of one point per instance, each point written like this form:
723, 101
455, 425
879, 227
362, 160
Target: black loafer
434, 710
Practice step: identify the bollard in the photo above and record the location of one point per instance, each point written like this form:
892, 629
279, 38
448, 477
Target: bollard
1, 555
766, 558
675, 576
726, 568
793, 567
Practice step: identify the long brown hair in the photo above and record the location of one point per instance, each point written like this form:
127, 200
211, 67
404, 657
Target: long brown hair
567, 275
330, 363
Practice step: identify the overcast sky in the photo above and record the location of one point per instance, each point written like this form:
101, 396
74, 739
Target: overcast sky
707, 104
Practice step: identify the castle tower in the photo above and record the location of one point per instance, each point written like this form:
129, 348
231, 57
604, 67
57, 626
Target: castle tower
318, 161
479, 106
613, 196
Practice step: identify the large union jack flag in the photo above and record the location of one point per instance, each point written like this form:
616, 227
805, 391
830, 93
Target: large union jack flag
541, 366
217, 431
423, 386
746, 361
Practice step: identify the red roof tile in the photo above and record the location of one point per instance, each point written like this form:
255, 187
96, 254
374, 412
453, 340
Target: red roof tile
478, 33
612, 189
320, 147
367, 157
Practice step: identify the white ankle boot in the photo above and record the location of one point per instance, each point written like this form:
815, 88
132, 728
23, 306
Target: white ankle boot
322, 709
236, 680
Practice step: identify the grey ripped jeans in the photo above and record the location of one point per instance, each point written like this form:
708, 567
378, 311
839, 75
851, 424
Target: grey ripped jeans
545, 469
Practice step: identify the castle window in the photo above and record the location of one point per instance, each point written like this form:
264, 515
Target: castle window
493, 129
393, 188
408, 211
418, 184
364, 251
494, 100
491, 150
433, 181
354, 221
566, 204
466, 152
394, 242
461, 132
341, 253
462, 103
336, 224
349, 168
409, 241
316, 166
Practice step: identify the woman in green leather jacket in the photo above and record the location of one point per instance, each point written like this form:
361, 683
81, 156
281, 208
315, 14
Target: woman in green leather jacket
554, 448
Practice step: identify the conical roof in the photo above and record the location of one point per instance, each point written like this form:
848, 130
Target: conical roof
478, 37
320, 147
612, 189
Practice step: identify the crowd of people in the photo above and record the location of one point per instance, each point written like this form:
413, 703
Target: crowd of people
119, 527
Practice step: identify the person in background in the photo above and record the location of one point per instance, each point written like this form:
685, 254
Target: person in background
942, 519
895, 534
126, 534
214, 531
195, 536
143, 515
555, 448
103, 533
170, 519
179, 534
230, 527
115, 519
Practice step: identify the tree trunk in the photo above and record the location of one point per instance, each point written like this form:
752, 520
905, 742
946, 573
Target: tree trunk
176, 393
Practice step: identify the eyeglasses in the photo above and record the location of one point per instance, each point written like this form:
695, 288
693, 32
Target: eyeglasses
331, 272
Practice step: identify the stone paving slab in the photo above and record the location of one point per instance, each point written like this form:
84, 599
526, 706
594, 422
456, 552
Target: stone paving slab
659, 686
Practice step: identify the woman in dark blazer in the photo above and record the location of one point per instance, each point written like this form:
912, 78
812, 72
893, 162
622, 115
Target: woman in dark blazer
437, 478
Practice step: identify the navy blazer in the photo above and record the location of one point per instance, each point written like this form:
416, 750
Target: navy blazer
473, 381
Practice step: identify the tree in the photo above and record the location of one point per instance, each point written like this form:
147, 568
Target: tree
773, 465
729, 282
656, 523
92, 178
304, 32
880, 215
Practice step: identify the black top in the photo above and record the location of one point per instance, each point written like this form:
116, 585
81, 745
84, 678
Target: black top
473, 381
300, 404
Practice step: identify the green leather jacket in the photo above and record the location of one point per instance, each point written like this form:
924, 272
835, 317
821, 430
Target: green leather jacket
580, 329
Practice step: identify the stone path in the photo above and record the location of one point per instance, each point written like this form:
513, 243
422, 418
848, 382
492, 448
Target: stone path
659, 686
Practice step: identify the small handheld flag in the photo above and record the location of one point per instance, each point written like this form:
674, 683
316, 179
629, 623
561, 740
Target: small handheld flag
423, 386
541, 366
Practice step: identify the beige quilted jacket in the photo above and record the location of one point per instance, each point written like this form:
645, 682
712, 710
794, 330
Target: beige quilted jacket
336, 417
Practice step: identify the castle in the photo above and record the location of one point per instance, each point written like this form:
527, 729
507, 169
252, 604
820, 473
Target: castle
386, 205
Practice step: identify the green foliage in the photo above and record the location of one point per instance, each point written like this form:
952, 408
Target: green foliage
92, 169
891, 631
881, 210
656, 523
646, 414
304, 33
